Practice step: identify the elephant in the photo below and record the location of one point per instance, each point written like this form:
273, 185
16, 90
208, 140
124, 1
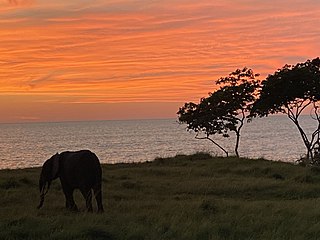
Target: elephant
76, 170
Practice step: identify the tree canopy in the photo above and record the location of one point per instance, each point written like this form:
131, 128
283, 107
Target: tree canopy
224, 110
291, 90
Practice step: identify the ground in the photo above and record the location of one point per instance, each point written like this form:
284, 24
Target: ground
185, 197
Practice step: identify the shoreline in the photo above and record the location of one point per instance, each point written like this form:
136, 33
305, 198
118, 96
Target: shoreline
172, 157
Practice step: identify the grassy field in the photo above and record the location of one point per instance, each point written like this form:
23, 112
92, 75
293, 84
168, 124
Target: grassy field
185, 197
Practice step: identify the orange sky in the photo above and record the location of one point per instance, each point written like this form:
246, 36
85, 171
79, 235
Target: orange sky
123, 59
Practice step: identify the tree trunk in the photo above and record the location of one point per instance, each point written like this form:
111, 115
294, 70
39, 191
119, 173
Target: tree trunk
307, 143
237, 131
237, 144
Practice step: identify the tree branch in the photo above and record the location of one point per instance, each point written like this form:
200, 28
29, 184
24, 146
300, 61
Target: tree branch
214, 142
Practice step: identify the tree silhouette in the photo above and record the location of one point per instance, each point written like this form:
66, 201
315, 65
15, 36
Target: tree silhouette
224, 110
291, 90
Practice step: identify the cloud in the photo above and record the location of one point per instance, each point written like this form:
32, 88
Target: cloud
43, 80
120, 50
20, 2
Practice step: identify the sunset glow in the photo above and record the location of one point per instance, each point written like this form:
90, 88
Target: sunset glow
123, 59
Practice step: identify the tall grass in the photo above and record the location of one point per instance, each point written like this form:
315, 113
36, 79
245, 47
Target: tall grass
185, 197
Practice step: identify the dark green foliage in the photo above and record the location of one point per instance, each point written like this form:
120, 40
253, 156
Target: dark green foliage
224, 110
96, 234
277, 176
9, 183
291, 90
184, 197
208, 207
289, 87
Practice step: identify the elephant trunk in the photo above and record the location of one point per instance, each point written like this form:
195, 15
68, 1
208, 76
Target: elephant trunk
43, 191
41, 201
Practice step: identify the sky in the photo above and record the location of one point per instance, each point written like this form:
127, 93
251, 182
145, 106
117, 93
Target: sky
139, 59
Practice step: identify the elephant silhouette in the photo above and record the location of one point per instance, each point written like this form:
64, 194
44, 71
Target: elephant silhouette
76, 170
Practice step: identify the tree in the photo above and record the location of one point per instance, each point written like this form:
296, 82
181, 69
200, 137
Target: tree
292, 90
224, 110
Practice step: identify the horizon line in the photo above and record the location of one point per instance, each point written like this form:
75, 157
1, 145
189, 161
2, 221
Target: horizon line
88, 120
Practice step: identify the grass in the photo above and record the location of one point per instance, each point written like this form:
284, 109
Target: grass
185, 197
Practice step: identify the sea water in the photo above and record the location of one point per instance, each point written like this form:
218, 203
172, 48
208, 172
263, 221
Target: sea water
25, 145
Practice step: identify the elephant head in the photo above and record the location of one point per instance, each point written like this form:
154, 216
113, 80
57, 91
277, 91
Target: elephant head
49, 172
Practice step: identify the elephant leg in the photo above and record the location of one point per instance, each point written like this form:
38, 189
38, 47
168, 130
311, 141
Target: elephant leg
70, 204
87, 194
98, 196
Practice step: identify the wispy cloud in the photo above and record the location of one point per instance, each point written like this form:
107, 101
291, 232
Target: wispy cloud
148, 51
43, 80
20, 2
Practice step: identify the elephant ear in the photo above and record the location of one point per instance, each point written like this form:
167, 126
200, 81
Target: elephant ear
55, 166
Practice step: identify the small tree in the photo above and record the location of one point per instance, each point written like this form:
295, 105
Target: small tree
224, 110
291, 90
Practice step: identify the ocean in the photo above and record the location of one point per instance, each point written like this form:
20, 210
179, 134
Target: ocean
24, 145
